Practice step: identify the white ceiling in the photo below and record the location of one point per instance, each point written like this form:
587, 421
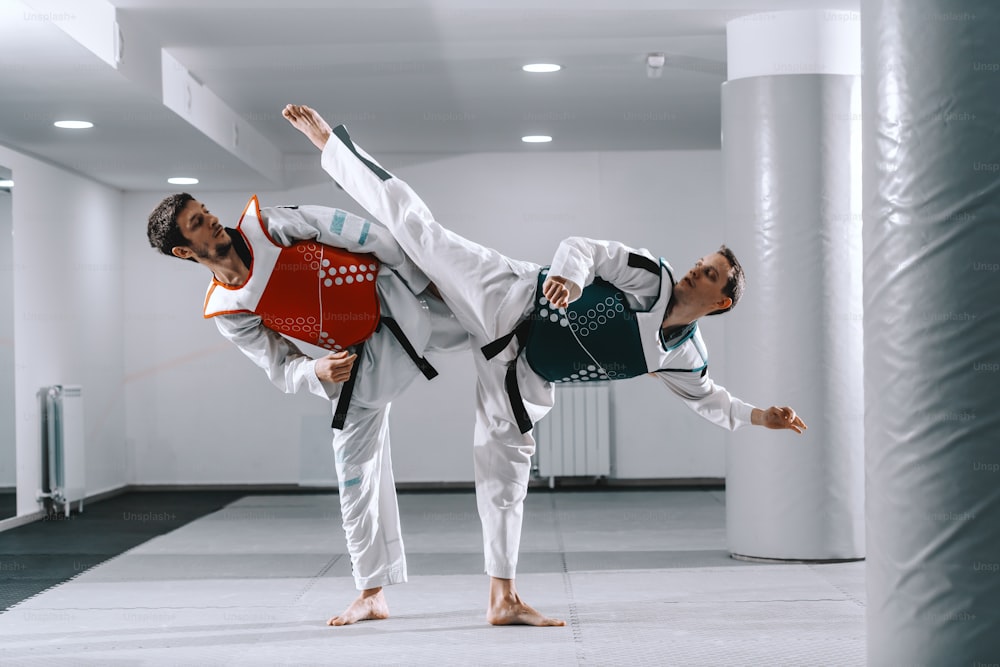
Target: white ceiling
405, 76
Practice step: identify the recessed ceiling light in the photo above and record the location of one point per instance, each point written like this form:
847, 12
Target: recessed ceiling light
182, 180
542, 68
6, 184
74, 124
536, 139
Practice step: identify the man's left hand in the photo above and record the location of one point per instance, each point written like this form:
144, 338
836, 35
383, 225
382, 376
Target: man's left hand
778, 418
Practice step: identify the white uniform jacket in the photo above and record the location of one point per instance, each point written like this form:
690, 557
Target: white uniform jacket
580, 260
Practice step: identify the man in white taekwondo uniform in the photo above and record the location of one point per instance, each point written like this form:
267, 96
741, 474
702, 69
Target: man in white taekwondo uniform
285, 271
631, 319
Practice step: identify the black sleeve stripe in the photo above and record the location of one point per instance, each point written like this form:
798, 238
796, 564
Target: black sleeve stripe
341, 133
640, 262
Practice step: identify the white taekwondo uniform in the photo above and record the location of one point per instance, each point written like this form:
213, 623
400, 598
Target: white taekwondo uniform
491, 295
383, 368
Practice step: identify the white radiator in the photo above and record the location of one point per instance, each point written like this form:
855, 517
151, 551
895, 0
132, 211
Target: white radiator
63, 435
574, 439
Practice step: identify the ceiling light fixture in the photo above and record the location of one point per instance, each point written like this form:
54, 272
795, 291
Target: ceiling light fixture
541, 68
182, 180
74, 124
536, 139
6, 184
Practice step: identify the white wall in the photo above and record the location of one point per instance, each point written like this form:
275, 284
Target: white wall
67, 314
199, 412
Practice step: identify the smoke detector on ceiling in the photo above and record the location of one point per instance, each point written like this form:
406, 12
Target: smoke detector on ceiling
654, 65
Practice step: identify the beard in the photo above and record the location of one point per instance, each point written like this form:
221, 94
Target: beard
214, 253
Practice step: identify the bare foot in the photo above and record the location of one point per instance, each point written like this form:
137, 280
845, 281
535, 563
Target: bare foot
507, 608
309, 123
370, 606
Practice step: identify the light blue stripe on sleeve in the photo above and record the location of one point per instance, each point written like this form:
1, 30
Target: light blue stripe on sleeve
337, 226
364, 233
351, 482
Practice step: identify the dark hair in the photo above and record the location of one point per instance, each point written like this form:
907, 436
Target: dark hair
163, 232
737, 281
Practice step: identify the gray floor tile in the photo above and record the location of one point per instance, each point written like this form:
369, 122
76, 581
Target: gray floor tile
640, 578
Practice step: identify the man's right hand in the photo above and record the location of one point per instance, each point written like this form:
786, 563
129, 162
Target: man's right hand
560, 291
335, 367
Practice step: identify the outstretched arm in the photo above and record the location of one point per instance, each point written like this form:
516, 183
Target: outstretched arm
718, 406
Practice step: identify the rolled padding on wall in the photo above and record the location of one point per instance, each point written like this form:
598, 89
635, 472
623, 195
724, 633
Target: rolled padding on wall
931, 143
791, 153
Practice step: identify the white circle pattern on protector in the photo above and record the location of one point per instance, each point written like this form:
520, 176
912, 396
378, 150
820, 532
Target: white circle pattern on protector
370, 276
326, 263
353, 268
292, 324
327, 282
339, 280
349, 279
372, 267
343, 269
582, 324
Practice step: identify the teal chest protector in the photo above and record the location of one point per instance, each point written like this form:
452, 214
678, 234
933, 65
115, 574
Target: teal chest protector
596, 337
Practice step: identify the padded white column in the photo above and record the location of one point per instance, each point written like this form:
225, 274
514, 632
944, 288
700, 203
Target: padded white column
791, 148
932, 330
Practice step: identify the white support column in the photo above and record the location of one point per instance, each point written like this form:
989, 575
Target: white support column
791, 148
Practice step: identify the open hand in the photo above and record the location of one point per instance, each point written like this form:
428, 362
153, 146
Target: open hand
336, 366
781, 418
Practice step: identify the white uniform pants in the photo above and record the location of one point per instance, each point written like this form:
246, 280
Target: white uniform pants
489, 294
361, 449
368, 497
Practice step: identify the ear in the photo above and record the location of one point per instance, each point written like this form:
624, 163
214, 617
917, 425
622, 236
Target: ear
182, 251
722, 304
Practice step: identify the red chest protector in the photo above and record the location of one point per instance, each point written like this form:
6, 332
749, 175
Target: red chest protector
312, 292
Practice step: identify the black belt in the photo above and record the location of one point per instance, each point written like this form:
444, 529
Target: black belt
516, 402
491, 350
425, 367
340, 414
